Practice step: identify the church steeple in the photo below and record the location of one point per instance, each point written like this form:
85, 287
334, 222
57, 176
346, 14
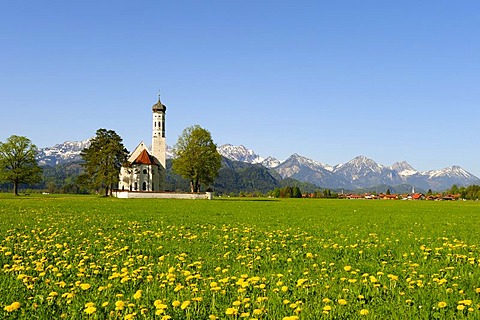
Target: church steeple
159, 144
159, 106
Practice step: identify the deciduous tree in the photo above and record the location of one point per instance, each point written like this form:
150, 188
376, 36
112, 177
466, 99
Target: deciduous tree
197, 158
17, 162
103, 160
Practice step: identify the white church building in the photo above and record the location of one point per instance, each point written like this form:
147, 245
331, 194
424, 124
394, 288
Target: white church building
144, 175
146, 171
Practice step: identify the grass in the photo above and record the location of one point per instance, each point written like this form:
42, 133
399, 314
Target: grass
81, 257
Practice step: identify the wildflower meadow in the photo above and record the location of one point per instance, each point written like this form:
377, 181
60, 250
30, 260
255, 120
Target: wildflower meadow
85, 257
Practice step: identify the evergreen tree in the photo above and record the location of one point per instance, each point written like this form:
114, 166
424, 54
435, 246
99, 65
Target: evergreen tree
296, 193
197, 157
17, 162
103, 160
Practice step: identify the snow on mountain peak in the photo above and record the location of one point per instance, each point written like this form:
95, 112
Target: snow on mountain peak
243, 154
403, 168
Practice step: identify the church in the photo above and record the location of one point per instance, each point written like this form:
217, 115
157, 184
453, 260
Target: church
146, 171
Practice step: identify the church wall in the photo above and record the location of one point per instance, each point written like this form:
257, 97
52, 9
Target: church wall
139, 177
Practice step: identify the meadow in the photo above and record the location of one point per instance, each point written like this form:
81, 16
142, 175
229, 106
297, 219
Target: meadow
85, 257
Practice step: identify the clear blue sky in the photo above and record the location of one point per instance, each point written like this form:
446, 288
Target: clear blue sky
330, 80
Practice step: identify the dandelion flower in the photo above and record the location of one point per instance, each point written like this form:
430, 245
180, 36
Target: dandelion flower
364, 312
185, 304
347, 268
137, 294
231, 311
85, 286
14, 306
342, 302
442, 304
119, 305
90, 310
176, 303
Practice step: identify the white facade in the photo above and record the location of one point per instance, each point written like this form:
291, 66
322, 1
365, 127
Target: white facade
147, 171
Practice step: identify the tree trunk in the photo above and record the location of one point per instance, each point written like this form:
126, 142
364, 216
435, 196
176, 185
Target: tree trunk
194, 185
106, 191
15, 188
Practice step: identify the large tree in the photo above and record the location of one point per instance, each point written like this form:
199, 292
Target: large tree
197, 158
103, 160
17, 162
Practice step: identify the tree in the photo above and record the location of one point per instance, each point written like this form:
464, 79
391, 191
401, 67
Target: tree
103, 160
197, 158
17, 162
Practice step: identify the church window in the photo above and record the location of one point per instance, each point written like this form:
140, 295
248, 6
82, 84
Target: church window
144, 171
135, 186
144, 186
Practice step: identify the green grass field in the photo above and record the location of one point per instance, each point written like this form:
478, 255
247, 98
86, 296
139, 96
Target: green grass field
80, 257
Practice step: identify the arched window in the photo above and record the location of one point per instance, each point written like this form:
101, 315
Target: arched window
144, 171
144, 186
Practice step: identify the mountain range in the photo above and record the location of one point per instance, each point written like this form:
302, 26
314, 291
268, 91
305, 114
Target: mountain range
358, 173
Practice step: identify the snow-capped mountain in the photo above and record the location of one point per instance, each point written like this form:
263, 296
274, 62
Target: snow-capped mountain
242, 154
68, 151
304, 169
363, 172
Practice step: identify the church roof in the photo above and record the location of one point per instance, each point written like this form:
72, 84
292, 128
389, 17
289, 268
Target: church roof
144, 158
159, 106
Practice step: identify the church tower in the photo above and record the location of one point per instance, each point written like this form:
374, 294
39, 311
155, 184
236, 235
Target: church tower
159, 146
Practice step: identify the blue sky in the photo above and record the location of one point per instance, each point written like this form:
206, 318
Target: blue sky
329, 80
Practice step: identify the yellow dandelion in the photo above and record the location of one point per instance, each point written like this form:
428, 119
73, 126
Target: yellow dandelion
119, 305
284, 289
342, 302
166, 317
347, 268
85, 286
257, 312
442, 304
212, 317
231, 311
176, 303
460, 307
185, 304
90, 310
364, 312
137, 294
327, 308
14, 306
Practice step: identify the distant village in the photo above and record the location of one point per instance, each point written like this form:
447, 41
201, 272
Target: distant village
413, 196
